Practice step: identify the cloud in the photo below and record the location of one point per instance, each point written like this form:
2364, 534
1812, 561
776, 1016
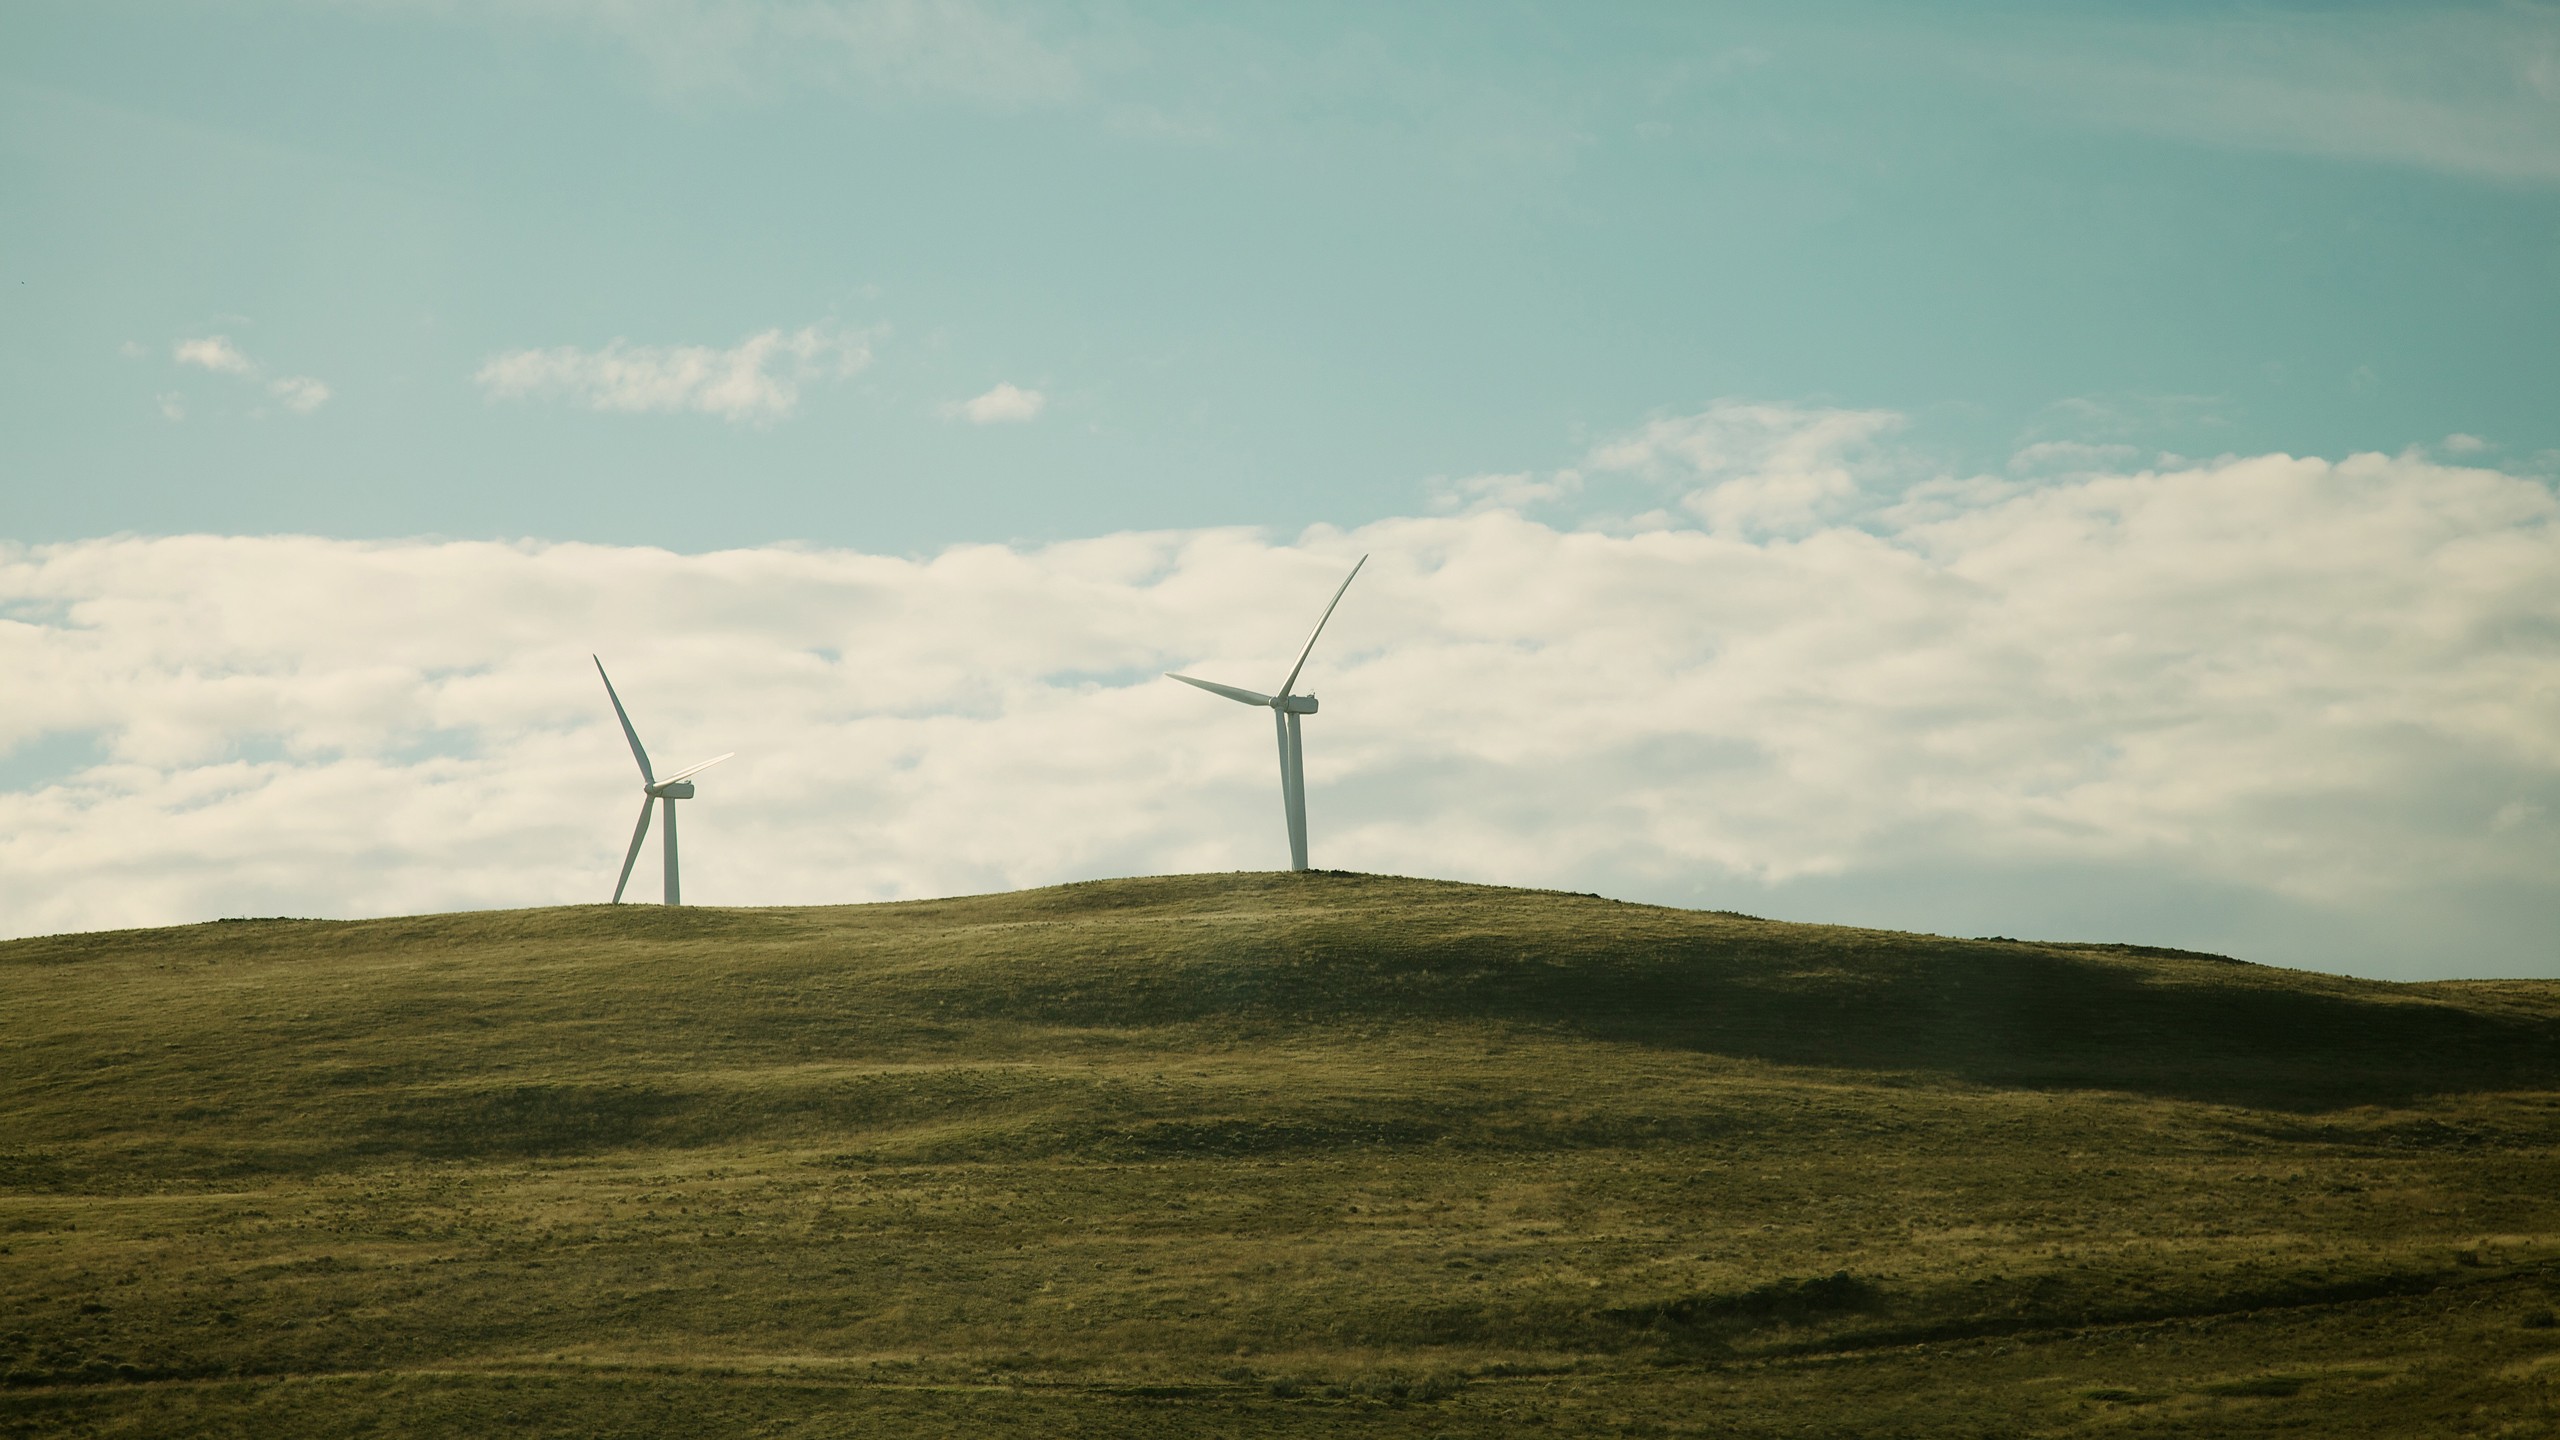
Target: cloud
1756, 469
300, 393
757, 379
1511, 490
2460, 90
2129, 415
1005, 404
2069, 457
215, 353
2306, 710
940, 49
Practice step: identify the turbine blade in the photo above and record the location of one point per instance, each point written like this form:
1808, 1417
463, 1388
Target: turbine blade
1309, 647
627, 732
1241, 697
633, 856
698, 769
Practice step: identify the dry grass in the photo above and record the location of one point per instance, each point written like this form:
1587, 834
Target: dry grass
1257, 1155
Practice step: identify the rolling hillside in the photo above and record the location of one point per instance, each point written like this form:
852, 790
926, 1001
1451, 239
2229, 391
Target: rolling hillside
1258, 1154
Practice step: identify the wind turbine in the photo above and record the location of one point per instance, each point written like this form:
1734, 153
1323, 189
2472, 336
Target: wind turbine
653, 790
1285, 710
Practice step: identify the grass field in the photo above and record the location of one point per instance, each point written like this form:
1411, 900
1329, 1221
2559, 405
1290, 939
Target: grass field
1258, 1155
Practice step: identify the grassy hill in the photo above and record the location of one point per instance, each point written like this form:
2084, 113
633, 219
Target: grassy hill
1258, 1154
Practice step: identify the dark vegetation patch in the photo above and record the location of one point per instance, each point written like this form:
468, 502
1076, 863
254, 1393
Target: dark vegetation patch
22, 1169
1778, 1301
523, 1120
2053, 1303
2259, 1386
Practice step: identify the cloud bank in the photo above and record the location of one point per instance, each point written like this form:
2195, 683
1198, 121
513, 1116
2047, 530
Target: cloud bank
2303, 710
757, 379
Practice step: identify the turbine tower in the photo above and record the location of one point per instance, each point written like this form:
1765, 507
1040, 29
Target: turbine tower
653, 790
1285, 710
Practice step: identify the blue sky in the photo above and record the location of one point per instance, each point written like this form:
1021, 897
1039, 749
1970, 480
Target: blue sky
1265, 265
2074, 470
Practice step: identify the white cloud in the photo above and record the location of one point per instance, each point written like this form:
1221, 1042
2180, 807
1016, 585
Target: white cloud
2148, 415
2465, 90
759, 378
951, 49
2069, 457
2304, 709
173, 406
1511, 490
1758, 469
300, 393
215, 353
1005, 404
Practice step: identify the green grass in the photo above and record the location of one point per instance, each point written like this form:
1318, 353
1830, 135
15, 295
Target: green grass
1260, 1154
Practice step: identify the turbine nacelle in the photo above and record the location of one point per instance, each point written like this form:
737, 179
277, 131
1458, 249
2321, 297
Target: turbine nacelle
672, 790
1285, 704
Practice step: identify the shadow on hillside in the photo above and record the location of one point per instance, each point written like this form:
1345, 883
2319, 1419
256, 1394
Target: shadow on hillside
2034, 1018
1993, 1012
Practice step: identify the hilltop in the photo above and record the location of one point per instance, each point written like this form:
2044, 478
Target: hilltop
1257, 1154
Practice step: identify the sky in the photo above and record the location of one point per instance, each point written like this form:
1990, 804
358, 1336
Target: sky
2069, 470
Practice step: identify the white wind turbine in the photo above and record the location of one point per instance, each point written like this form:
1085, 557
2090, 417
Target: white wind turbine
653, 790
1285, 710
